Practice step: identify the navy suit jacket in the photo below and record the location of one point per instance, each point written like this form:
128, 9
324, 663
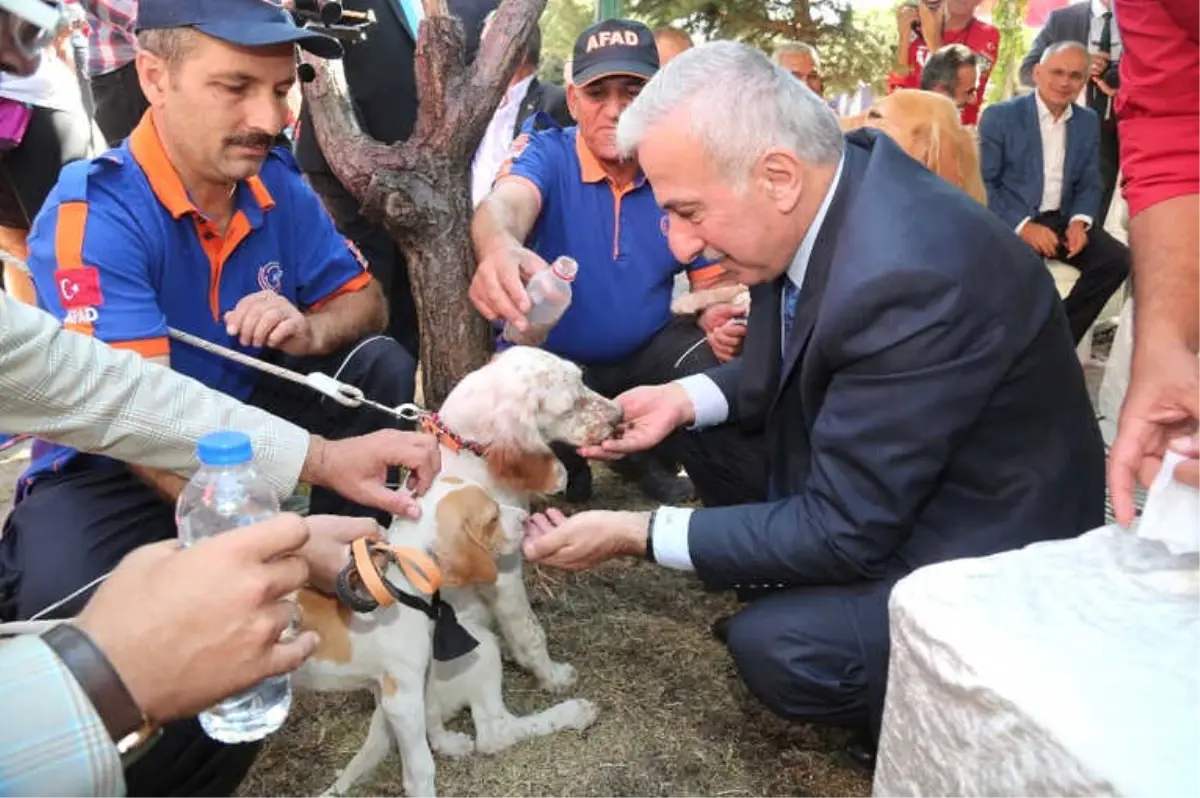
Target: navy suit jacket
930, 404
1010, 157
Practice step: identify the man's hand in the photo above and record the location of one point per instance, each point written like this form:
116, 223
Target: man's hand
498, 288
652, 412
1099, 63
328, 548
1161, 405
268, 319
1041, 238
186, 629
724, 327
356, 468
1077, 237
584, 540
906, 15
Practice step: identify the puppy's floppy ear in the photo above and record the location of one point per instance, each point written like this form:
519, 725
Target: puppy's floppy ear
468, 529
524, 470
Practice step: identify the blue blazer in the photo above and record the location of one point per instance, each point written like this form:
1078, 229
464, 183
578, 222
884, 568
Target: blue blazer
929, 404
1010, 155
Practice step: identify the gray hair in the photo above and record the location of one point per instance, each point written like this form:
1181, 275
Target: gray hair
1062, 47
740, 105
788, 48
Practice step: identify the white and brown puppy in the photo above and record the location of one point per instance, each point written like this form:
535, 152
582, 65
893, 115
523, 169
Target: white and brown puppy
496, 427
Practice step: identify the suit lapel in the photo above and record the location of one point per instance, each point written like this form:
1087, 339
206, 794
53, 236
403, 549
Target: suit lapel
397, 10
760, 376
528, 105
1033, 135
816, 276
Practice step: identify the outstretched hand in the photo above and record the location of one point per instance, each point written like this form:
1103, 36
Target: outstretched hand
652, 412
356, 468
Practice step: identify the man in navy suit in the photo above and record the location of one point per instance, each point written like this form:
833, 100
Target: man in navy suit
912, 375
1041, 165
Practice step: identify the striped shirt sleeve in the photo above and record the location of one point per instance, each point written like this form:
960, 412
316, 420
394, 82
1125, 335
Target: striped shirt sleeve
71, 389
52, 742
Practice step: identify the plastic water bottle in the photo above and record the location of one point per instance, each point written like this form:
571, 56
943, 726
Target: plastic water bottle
225, 493
550, 295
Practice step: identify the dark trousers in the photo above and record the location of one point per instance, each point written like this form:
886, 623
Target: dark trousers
1110, 164
76, 525
726, 466
817, 654
384, 259
119, 103
1103, 266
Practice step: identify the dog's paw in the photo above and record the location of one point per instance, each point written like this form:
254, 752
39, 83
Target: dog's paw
583, 714
452, 744
562, 677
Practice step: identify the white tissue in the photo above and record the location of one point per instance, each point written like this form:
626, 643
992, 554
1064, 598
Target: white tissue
1172, 512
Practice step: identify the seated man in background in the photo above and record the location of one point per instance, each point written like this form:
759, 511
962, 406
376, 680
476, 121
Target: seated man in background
954, 72
567, 192
1041, 164
196, 223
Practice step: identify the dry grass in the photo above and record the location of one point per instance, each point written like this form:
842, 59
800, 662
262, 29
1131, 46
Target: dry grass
673, 716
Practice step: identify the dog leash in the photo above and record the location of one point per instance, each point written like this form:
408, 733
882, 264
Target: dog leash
340, 392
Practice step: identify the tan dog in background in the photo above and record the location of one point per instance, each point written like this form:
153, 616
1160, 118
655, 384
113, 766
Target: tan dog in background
927, 127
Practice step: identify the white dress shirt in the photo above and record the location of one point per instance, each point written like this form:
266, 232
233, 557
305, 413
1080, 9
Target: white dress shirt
1054, 159
497, 139
671, 523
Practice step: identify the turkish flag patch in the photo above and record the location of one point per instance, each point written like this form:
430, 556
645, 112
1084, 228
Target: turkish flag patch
79, 288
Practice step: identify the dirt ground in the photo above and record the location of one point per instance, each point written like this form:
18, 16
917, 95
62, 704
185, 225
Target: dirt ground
673, 717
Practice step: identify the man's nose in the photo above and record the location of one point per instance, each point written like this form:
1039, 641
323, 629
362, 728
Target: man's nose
684, 245
269, 116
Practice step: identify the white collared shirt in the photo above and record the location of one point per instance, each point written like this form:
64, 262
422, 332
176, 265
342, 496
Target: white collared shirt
671, 523
1096, 25
1054, 159
493, 147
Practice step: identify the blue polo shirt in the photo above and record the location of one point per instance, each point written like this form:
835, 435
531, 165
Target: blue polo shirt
119, 251
621, 296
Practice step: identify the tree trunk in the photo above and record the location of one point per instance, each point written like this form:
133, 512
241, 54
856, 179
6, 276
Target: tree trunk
418, 190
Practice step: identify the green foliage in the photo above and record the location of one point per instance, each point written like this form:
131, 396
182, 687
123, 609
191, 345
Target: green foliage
562, 22
1009, 18
862, 51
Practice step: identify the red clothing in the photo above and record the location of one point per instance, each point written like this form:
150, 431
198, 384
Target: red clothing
983, 40
1158, 104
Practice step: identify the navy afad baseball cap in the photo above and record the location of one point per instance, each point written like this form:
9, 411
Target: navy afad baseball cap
249, 23
614, 47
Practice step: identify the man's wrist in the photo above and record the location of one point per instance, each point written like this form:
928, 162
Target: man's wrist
313, 470
635, 533
685, 410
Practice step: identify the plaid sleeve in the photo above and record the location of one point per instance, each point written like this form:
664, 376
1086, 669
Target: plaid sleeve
72, 389
52, 742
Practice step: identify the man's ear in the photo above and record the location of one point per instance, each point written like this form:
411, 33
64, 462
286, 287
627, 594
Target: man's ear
781, 178
573, 100
153, 75
468, 531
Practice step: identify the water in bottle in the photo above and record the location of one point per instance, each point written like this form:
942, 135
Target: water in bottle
549, 294
227, 492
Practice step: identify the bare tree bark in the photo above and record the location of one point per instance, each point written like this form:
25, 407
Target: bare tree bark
419, 189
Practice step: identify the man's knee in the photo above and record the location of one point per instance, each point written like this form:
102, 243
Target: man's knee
794, 674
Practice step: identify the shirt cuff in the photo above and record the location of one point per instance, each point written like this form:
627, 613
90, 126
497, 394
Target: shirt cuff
671, 538
1083, 217
1024, 222
709, 403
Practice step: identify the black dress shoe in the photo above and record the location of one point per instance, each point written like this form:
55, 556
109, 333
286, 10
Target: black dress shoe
862, 750
720, 629
667, 488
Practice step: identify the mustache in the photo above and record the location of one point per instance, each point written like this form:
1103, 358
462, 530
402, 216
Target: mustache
255, 140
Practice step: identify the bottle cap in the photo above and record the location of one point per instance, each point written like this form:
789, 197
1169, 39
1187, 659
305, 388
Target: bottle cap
225, 448
565, 268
